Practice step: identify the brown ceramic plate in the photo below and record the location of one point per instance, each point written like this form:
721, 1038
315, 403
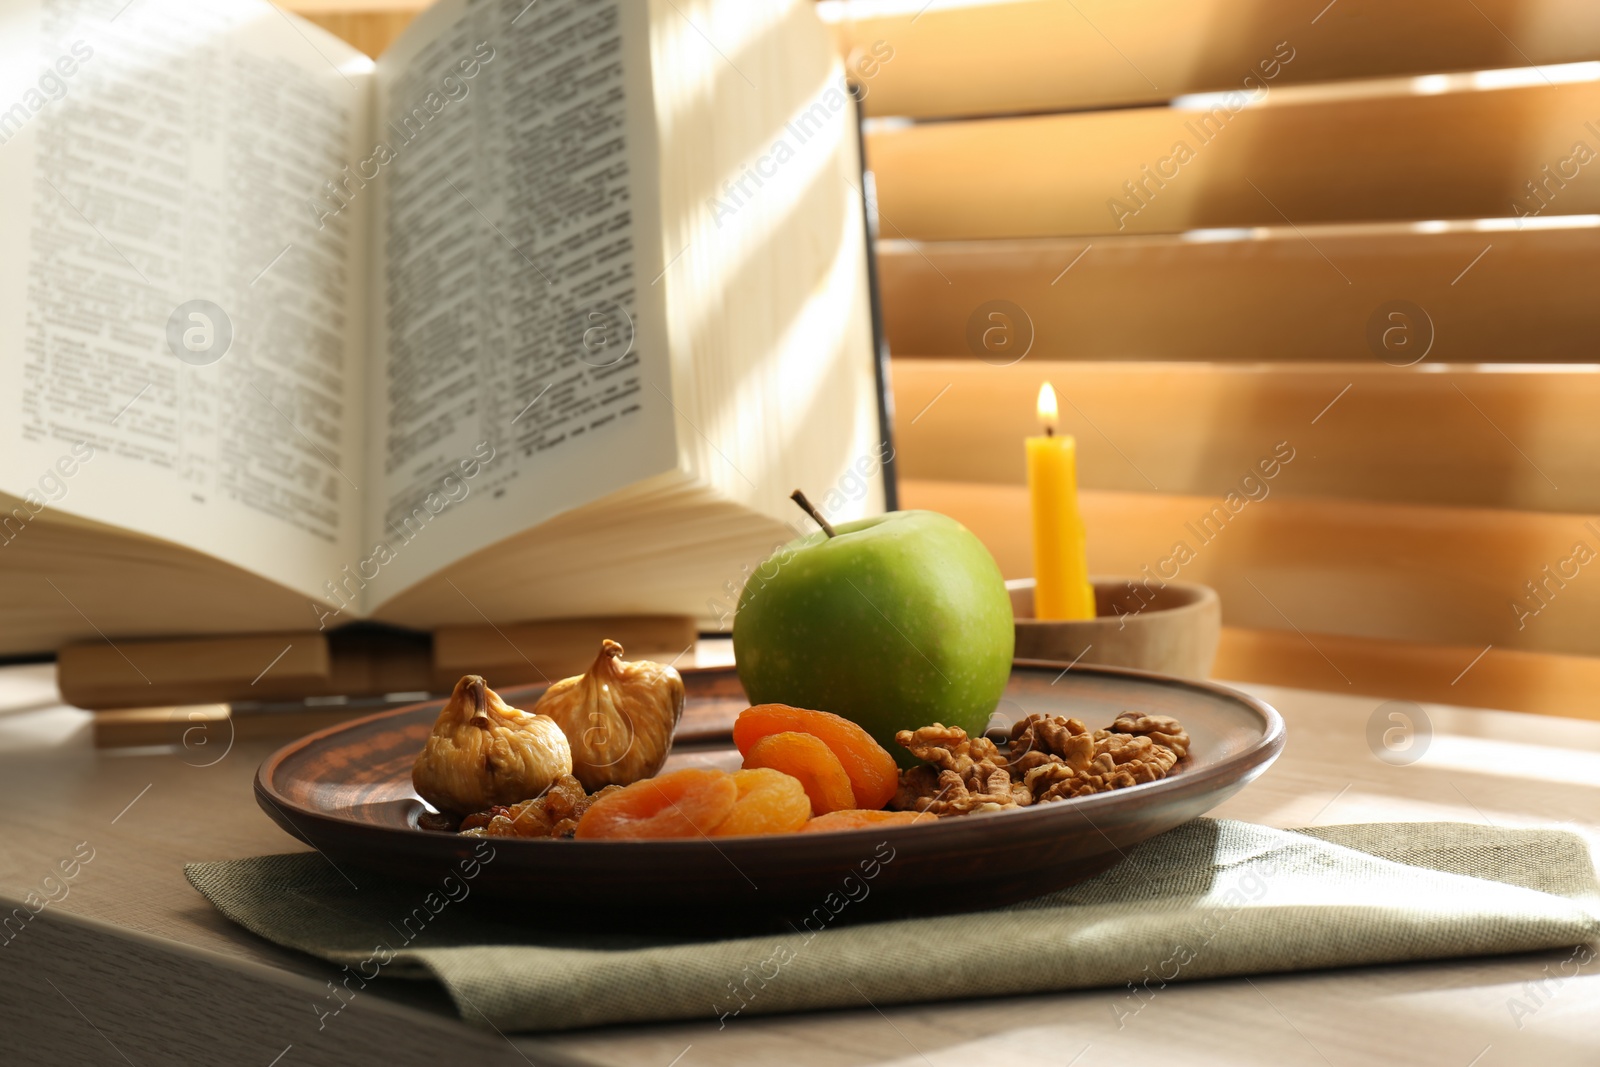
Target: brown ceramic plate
347, 791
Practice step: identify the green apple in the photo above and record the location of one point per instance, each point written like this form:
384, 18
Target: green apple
896, 621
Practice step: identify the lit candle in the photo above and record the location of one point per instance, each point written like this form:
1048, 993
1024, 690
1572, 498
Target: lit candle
1060, 569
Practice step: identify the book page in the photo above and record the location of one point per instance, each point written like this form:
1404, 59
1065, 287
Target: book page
180, 330
519, 367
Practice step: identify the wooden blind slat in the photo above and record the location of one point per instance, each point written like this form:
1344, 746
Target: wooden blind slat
1539, 682
1452, 155
1043, 55
356, 7
1490, 297
371, 31
1381, 571
1454, 436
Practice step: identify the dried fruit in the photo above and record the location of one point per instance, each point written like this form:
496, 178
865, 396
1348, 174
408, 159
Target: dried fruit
555, 814
618, 717
808, 758
686, 803
770, 802
483, 752
864, 819
872, 770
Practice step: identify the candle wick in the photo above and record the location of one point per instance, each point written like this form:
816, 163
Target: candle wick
1049, 431
800, 498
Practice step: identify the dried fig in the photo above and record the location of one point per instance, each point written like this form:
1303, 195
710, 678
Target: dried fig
618, 717
483, 752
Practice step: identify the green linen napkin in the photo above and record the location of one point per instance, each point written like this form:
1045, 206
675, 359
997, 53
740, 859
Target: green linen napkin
1210, 898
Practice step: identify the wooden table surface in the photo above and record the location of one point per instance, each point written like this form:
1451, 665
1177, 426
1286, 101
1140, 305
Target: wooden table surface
133, 966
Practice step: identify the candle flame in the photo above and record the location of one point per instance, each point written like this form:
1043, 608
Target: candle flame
1048, 413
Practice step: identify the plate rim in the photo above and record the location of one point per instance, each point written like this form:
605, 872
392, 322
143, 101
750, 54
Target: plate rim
1242, 767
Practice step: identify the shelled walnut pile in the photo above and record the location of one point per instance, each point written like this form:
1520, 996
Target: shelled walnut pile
554, 813
1048, 757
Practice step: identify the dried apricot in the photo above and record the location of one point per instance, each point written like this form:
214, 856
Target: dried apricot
770, 802
865, 818
874, 775
808, 758
686, 803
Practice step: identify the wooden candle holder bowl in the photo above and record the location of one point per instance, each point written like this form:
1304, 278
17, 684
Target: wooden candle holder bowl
1168, 629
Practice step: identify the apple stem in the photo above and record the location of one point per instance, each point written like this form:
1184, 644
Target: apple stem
800, 498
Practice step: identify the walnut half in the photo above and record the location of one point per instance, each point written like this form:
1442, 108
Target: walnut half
1059, 757
1162, 729
967, 774
1048, 758
554, 814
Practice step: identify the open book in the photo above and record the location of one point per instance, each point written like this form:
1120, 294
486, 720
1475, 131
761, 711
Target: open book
544, 313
